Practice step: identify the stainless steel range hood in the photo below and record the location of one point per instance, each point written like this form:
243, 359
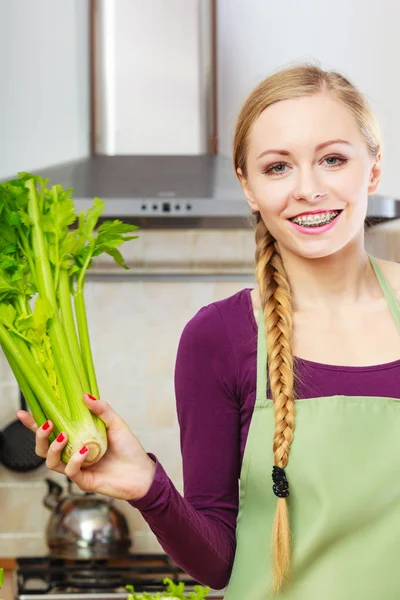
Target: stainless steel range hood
176, 189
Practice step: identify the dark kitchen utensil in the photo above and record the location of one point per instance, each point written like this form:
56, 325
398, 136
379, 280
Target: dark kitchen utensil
17, 446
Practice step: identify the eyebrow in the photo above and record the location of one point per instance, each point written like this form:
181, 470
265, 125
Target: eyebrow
319, 147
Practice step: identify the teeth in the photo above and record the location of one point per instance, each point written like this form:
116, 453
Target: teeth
315, 220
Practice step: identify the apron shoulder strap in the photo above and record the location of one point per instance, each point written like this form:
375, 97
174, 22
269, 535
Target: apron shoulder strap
388, 292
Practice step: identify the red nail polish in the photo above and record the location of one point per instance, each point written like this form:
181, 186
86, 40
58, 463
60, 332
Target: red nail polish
83, 450
61, 437
91, 397
45, 425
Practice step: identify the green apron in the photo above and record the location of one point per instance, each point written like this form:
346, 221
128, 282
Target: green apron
344, 503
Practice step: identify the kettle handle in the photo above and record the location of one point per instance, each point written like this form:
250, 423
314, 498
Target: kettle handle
53, 487
55, 490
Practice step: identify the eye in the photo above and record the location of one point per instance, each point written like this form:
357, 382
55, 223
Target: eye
334, 161
276, 169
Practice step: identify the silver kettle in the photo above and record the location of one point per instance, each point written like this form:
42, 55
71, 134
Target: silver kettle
84, 526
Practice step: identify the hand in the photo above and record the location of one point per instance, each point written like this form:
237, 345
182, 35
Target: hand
124, 472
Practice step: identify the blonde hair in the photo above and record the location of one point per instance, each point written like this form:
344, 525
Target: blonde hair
292, 82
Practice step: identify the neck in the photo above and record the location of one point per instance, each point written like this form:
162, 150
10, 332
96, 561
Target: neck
328, 283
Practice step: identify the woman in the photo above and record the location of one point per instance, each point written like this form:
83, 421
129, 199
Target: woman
307, 151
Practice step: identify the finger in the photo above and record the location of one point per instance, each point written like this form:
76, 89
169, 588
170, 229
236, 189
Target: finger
27, 419
74, 466
53, 460
60, 468
105, 412
42, 438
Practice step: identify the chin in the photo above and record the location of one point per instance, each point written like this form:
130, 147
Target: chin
314, 253
317, 248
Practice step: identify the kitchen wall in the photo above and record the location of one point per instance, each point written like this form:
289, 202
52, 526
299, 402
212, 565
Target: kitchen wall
135, 325
256, 38
44, 70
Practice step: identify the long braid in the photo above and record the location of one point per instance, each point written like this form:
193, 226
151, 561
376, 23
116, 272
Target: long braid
276, 302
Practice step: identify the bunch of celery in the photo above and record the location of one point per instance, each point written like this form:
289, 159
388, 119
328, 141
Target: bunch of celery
43, 325
1, 578
174, 591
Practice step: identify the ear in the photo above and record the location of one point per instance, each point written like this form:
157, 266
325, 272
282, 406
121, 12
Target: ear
375, 176
247, 191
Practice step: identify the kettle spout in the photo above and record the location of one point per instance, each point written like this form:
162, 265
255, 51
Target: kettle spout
52, 499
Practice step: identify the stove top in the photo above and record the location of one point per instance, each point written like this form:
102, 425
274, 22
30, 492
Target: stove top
58, 579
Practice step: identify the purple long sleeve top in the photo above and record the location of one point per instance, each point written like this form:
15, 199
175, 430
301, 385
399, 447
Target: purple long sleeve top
215, 385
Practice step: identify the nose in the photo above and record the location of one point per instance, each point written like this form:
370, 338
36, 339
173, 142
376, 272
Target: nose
308, 187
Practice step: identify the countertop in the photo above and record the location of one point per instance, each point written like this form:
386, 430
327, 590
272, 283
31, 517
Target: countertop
8, 563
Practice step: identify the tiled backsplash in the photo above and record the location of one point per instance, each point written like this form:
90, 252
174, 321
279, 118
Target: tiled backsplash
135, 325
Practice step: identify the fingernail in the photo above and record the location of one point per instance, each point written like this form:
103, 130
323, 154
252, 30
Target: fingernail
61, 437
46, 425
84, 449
91, 397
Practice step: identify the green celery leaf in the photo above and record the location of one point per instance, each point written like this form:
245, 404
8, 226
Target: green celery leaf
13, 219
25, 219
24, 323
61, 215
7, 235
41, 314
9, 249
7, 314
72, 244
117, 256
24, 176
199, 592
88, 219
5, 285
175, 590
112, 243
8, 262
115, 227
112, 233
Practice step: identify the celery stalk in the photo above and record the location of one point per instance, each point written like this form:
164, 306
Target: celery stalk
27, 392
24, 361
83, 330
68, 322
82, 431
80, 311
46, 289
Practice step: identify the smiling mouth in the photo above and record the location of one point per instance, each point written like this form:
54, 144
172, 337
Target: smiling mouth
316, 220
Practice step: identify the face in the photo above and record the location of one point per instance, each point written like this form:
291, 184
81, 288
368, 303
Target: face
308, 161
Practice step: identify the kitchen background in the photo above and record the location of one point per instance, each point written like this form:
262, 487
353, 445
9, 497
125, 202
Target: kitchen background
164, 78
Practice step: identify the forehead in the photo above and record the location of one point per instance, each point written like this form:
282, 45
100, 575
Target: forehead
303, 122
